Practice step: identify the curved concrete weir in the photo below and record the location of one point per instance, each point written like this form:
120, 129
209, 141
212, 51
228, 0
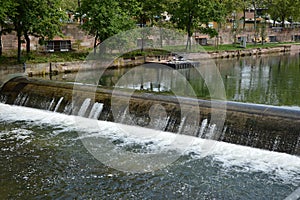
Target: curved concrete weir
261, 126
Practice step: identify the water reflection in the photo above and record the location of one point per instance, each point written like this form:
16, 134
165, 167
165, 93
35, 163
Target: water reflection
268, 80
272, 80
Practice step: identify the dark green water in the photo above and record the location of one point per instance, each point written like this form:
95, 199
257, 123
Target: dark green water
272, 80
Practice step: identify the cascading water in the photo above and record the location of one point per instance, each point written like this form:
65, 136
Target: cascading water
202, 128
58, 104
96, 110
211, 131
21, 99
271, 128
84, 107
50, 106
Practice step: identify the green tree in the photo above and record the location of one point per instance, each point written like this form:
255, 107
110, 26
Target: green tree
284, 9
238, 6
145, 12
38, 18
104, 18
191, 15
70, 5
150, 11
245, 4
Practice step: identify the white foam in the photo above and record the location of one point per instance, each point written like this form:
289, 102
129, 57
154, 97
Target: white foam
230, 155
21, 135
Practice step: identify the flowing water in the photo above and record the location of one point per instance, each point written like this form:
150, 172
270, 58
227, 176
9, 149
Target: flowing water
43, 153
42, 156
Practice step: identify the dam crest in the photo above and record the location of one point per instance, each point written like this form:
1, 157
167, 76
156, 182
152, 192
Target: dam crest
260, 126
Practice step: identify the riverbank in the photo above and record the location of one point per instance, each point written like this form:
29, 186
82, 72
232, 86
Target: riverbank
56, 64
70, 67
253, 51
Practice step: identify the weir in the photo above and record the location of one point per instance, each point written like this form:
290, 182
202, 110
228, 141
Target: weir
261, 126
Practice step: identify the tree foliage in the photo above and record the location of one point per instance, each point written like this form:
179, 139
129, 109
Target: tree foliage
34, 17
192, 15
284, 9
70, 5
150, 10
7, 7
104, 18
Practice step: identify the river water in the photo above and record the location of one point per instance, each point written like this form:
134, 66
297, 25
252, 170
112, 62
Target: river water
43, 156
271, 80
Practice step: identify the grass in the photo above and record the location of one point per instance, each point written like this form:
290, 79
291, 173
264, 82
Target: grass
10, 58
223, 47
146, 52
232, 47
8, 61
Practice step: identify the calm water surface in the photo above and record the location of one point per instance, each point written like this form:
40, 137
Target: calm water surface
272, 80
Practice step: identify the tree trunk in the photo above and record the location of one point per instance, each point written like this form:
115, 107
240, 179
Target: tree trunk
27, 43
189, 41
255, 31
0, 42
190, 34
218, 36
244, 16
282, 22
19, 46
95, 42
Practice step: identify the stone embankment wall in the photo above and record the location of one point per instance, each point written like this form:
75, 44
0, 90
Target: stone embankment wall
68, 67
250, 52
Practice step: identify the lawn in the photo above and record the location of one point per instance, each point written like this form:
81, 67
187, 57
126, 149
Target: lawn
10, 58
232, 47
